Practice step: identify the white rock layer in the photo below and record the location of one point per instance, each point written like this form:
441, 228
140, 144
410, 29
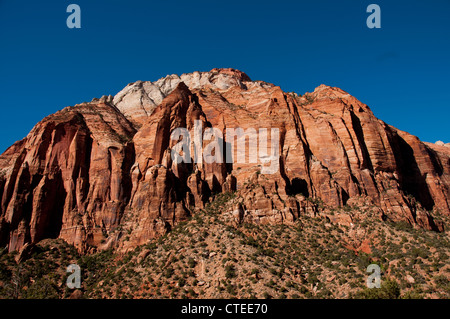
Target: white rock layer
139, 99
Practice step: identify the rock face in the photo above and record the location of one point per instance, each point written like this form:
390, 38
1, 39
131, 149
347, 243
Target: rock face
101, 174
69, 178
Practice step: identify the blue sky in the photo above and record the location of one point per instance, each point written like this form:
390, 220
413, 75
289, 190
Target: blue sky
401, 70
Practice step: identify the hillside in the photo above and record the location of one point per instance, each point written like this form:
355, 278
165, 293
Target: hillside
209, 256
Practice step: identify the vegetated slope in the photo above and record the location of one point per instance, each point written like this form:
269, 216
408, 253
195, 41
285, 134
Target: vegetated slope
211, 256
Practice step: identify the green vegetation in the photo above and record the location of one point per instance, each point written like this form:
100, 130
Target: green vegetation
309, 99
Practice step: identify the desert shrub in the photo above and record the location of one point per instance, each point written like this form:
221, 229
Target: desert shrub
41, 289
389, 290
230, 271
191, 262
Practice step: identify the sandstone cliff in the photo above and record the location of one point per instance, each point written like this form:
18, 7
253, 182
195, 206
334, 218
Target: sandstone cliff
100, 174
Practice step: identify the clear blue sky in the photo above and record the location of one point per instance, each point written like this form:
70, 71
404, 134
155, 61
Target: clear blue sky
401, 70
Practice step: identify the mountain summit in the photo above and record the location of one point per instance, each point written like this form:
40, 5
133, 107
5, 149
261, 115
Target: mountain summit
137, 100
100, 174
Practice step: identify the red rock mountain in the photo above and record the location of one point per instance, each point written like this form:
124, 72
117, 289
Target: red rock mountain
100, 174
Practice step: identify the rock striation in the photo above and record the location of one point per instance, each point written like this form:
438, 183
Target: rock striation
101, 175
